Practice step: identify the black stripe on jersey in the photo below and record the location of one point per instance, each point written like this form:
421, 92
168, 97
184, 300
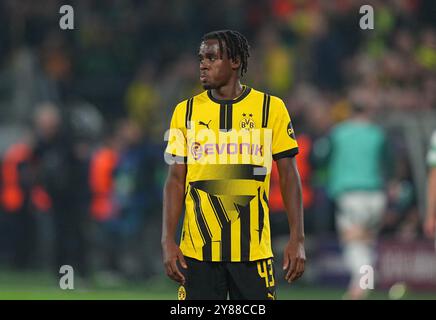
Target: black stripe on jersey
223, 108
219, 210
213, 205
203, 227
235, 171
226, 117
188, 114
265, 110
190, 236
261, 215
265, 198
286, 154
229, 117
202, 213
196, 215
226, 238
244, 217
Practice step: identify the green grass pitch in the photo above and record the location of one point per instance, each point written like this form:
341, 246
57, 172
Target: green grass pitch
41, 286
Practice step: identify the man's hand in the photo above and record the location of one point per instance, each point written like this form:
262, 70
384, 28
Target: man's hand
430, 226
294, 259
172, 253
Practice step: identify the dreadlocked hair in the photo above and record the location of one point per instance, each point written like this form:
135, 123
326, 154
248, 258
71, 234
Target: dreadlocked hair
236, 45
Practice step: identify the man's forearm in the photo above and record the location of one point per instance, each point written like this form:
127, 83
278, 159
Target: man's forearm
296, 212
290, 186
172, 207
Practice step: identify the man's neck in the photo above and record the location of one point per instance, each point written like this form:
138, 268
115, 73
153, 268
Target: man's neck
361, 118
228, 92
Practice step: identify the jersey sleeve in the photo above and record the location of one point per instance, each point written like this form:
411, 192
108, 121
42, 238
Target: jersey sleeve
431, 154
284, 142
176, 150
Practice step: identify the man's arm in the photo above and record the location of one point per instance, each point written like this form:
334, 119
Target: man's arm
290, 185
174, 192
430, 221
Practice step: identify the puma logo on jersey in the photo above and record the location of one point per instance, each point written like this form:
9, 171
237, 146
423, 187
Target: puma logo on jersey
201, 123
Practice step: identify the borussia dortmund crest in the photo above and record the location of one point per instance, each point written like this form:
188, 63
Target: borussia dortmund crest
247, 121
181, 294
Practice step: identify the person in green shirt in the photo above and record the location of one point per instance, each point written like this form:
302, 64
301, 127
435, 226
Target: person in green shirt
356, 181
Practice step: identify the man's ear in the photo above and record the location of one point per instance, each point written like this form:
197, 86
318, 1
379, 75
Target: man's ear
236, 64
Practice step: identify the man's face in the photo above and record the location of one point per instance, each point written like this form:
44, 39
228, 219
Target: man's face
47, 122
215, 68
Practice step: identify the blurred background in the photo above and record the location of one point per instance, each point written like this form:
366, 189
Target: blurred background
83, 113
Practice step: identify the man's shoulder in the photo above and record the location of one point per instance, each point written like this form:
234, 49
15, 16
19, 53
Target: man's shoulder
199, 98
276, 104
273, 98
344, 128
340, 127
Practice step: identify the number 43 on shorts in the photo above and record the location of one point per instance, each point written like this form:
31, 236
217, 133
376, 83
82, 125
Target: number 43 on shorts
265, 270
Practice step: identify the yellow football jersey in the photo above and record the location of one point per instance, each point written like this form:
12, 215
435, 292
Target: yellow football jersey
228, 146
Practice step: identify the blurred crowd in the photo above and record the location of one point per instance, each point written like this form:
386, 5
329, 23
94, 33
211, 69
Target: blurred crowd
83, 113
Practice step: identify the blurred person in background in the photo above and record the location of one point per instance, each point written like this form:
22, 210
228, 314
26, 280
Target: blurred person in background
121, 181
103, 211
133, 195
59, 173
356, 184
401, 217
430, 220
18, 184
142, 99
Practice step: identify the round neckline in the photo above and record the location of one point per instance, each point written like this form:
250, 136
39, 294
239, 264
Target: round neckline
245, 91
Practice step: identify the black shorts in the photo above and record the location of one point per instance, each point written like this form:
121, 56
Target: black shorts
253, 280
